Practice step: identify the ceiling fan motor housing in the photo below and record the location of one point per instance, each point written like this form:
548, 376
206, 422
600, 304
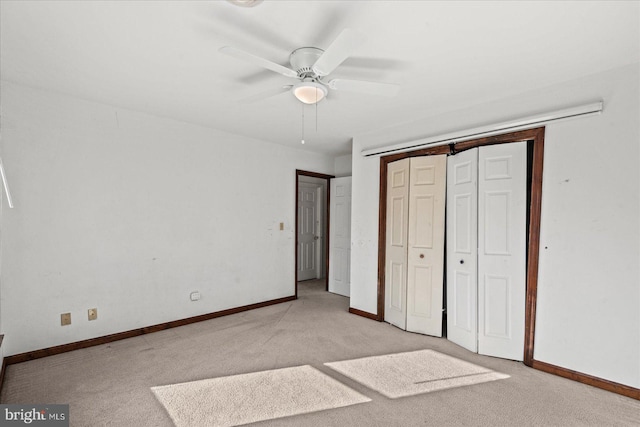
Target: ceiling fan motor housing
303, 59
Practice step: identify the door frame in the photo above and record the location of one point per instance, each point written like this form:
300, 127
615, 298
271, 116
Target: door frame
326, 177
535, 135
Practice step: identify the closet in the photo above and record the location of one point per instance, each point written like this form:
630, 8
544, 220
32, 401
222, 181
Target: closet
483, 192
415, 243
486, 249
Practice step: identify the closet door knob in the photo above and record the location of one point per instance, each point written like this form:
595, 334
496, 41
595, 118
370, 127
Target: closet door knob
461, 261
421, 255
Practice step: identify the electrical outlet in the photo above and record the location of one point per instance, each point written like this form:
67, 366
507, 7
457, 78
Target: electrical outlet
92, 313
65, 319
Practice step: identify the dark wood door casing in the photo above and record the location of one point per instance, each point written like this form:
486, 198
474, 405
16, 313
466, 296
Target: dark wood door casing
535, 135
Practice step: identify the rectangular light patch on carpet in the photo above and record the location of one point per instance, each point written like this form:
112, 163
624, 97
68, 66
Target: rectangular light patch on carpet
416, 372
259, 396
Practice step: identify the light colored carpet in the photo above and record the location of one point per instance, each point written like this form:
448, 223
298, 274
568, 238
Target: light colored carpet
109, 385
259, 396
416, 372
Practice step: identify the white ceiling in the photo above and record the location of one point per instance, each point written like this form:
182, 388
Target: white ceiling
161, 57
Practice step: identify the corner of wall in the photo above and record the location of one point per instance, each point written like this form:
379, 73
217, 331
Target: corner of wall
342, 165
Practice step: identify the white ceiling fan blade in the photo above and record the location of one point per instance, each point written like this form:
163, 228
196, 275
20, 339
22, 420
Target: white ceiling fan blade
256, 60
266, 94
339, 50
373, 88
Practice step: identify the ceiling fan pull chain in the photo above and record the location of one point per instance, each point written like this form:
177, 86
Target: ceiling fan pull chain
302, 140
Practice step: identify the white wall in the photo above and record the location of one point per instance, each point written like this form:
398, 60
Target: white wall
589, 283
129, 213
2, 206
343, 166
3, 197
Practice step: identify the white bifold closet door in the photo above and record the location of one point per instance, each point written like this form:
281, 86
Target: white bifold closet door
486, 249
414, 272
462, 249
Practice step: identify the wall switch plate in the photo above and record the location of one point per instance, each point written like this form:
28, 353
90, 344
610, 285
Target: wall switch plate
92, 313
65, 319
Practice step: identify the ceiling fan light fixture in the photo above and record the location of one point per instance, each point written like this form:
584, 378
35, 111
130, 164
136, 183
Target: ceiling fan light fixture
309, 92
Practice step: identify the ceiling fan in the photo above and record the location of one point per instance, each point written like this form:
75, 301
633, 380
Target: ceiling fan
310, 66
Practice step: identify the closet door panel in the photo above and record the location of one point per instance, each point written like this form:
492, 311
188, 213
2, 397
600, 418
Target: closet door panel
462, 254
502, 214
395, 310
425, 259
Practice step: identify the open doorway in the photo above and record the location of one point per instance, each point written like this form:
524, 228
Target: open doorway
312, 228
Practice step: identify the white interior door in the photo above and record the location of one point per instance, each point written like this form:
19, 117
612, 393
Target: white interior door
340, 236
320, 231
502, 210
462, 248
425, 259
307, 199
395, 310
